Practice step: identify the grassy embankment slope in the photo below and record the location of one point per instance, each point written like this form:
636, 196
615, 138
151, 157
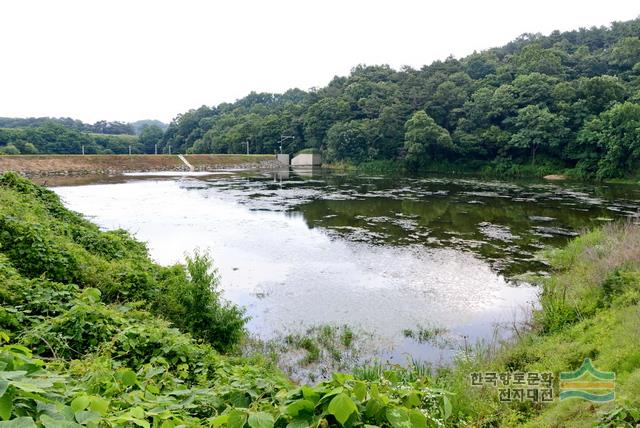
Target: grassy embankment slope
88, 164
125, 342
590, 308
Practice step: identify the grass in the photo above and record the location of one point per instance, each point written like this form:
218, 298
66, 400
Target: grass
313, 354
590, 308
424, 334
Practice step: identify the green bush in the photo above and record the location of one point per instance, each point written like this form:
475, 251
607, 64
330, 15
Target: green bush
193, 303
46, 241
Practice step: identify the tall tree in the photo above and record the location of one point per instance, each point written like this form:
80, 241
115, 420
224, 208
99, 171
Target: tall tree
424, 139
537, 128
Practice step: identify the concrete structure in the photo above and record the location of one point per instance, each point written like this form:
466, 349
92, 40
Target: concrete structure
186, 162
307, 159
283, 158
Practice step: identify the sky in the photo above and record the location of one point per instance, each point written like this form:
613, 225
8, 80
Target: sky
137, 59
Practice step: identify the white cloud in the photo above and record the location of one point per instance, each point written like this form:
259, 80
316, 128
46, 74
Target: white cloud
128, 60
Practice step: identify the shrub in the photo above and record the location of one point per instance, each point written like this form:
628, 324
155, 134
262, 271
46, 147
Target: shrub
193, 303
78, 331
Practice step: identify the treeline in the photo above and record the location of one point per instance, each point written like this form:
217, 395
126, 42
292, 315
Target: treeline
100, 127
566, 100
66, 136
540, 104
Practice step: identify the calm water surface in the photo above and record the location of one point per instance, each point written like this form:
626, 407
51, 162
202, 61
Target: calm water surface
381, 254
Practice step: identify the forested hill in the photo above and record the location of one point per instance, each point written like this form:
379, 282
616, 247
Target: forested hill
45, 135
569, 99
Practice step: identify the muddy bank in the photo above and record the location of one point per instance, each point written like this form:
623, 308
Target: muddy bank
46, 165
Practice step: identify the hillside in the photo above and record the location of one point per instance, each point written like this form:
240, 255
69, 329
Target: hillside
539, 104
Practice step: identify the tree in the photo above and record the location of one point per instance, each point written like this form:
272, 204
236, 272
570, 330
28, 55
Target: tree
9, 149
27, 148
149, 137
601, 92
351, 141
424, 139
537, 128
626, 52
535, 59
614, 138
320, 117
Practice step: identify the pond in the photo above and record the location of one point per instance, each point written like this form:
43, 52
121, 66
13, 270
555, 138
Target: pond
386, 255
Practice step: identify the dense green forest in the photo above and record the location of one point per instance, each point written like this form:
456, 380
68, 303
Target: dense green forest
566, 100
69, 136
540, 104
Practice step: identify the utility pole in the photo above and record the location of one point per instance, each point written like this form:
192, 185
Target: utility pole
129, 149
155, 148
283, 138
82, 150
247, 146
169, 148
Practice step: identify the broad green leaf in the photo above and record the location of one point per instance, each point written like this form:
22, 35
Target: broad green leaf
310, 394
23, 422
299, 423
398, 418
3, 387
447, 407
49, 422
360, 390
329, 395
137, 412
140, 422
154, 372
91, 294
299, 406
6, 405
412, 400
99, 405
128, 377
236, 419
342, 406
373, 408
80, 403
219, 421
85, 416
31, 386
16, 374
261, 420
417, 419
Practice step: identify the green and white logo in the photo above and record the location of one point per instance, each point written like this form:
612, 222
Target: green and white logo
588, 383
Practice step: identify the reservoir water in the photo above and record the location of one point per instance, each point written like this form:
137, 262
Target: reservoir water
382, 254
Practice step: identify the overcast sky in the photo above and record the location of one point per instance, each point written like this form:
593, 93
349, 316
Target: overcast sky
135, 59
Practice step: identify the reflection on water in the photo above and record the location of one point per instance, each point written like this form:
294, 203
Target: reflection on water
384, 254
